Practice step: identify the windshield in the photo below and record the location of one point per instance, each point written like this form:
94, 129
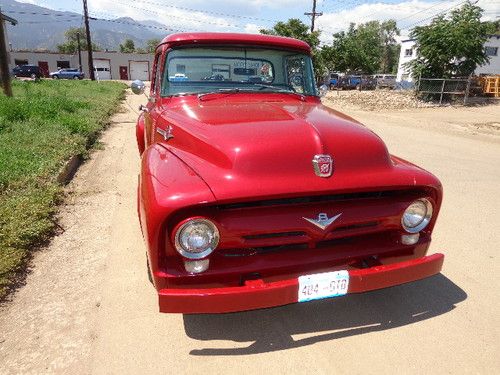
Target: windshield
212, 69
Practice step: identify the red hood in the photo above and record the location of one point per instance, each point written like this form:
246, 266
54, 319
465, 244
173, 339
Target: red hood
246, 148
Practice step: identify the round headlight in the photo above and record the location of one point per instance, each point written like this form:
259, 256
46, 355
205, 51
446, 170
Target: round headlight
196, 238
417, 216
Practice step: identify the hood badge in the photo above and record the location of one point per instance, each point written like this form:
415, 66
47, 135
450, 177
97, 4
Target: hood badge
166, 134
323, 221
323, 165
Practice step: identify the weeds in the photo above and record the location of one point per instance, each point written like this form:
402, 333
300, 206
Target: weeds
41, 127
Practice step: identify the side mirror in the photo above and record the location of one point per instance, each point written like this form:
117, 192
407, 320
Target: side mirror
323, 89
138, 87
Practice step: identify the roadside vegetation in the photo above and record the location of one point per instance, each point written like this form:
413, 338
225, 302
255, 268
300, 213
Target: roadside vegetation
41, 128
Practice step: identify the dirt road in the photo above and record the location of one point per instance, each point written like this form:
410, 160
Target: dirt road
88, 308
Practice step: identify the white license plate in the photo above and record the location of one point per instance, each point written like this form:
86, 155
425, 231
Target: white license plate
323, 285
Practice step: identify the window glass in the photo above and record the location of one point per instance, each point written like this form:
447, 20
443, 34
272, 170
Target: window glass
208, 69
491, 51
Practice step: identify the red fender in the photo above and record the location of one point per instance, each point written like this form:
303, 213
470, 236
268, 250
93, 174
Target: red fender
139, 133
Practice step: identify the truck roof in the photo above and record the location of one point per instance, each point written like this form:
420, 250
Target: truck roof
236, 38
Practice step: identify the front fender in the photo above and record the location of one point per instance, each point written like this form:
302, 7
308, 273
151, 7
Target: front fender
139, 133
166, 184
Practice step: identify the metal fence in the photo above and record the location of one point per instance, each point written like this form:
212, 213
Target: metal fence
442, 86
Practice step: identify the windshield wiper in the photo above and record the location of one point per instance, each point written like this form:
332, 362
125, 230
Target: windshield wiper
219, 91
234, 90
277, 89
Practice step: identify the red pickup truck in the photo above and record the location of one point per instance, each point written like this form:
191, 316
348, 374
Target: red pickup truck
253, 194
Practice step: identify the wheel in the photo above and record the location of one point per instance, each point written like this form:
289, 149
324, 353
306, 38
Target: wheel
358, 87
75, 77
33, 76
55, 76
149, 270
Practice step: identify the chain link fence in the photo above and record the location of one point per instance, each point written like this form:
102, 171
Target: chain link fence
444, 86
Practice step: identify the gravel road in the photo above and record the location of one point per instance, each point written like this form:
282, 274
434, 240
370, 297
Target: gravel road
88, 308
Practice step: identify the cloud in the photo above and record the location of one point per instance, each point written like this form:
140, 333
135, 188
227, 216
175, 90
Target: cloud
407, 13
252, 15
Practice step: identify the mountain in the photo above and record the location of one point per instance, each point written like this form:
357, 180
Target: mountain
43, 28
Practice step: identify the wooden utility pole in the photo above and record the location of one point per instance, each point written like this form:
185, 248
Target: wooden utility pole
89, 41
4, 63
313, 15
79, 52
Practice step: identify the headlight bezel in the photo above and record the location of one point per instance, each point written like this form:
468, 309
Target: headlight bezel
182, 226
427, 217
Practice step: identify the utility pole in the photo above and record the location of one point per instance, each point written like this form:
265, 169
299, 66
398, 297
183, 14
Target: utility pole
79, 52
4, 63
313, 15
89, 41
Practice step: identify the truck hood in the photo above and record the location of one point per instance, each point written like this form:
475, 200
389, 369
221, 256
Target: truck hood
245, 148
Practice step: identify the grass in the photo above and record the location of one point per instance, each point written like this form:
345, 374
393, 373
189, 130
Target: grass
41, 128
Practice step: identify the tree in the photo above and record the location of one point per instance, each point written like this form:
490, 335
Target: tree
390, 47
451, 46
71, 44
151, 45
295, 28
128, 46
368, 48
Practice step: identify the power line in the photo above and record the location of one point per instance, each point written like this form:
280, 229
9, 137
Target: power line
433, 16
136, 24
178, 17
207, 11
421, 11
60, 14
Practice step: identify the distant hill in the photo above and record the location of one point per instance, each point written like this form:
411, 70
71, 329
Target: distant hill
45, 29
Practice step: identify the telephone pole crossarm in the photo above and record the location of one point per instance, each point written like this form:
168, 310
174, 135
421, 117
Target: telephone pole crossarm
313, 15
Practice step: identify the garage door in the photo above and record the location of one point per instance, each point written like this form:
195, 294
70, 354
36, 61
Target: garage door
102, 69
139, 70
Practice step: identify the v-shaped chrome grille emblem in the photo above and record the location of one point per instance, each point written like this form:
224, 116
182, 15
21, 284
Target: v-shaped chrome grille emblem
323, 221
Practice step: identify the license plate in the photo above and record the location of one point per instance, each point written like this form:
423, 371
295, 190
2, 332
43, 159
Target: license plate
323, 285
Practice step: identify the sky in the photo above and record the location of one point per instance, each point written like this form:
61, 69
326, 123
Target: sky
252, 15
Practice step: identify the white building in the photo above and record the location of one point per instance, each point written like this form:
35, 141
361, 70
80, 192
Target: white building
409, 52
108, 65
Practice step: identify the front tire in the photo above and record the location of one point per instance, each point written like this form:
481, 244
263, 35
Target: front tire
75, 77
55, 76
150, 277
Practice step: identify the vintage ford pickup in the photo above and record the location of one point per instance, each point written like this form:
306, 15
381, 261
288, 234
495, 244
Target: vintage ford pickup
252, 194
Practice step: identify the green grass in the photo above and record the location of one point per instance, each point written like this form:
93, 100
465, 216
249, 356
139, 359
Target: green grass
41, 127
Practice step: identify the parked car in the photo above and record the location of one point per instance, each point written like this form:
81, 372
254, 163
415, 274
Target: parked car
178, 77
32, 71
256, 195
385, 80
214, 77
67, 73
358, 82
334, 80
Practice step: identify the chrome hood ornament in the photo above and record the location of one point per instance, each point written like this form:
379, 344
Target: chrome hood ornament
323, 221
323, 165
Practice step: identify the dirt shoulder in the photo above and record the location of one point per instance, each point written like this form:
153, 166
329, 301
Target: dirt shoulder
403, 108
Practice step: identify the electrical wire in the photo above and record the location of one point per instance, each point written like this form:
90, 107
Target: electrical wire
205, 11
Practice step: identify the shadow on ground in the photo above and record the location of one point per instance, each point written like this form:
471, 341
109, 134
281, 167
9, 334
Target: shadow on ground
272, 329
